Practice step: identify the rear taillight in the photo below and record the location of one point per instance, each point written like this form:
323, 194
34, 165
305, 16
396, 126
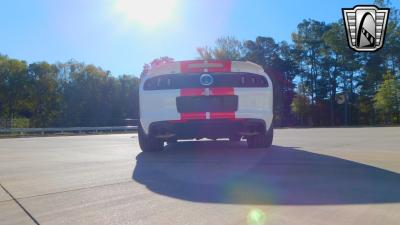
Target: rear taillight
158, 83
253, 81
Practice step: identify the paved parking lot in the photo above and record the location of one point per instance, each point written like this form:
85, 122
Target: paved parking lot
310, 176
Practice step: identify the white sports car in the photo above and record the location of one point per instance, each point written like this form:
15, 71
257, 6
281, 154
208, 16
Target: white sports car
205, 99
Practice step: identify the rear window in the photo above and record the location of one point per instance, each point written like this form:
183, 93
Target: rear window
179, 81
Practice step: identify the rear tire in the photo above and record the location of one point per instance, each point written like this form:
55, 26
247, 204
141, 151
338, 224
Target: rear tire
261, 140
148, 143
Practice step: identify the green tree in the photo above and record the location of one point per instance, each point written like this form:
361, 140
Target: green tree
129, 96
14, 88
226, 48
301, 107
341, 64
45, 96
301, 104
387, 99
65, 94
309, 42
375, 65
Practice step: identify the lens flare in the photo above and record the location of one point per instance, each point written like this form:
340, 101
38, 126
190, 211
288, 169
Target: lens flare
256, 217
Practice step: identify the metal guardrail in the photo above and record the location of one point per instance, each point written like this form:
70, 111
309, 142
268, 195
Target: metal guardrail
67, 129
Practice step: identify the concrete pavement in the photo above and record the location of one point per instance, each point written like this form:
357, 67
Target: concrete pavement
310, 176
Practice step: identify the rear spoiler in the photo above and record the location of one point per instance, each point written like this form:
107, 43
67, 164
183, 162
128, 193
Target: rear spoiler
204, 66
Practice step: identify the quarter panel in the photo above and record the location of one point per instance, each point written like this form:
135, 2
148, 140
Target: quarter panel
255, 103
158, 106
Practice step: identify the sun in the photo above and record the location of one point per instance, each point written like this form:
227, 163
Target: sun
148, 13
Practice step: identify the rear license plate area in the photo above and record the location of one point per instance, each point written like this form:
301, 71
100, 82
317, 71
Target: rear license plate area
188, 104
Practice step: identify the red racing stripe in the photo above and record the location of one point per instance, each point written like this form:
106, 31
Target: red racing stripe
185, 66
193, 116
222, 115
192, 91
222, 91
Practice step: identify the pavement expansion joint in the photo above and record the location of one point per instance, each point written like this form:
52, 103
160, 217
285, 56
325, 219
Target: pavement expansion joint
20, 205
72, 190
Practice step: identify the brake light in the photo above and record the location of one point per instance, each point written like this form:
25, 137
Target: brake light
205, 65
200, 66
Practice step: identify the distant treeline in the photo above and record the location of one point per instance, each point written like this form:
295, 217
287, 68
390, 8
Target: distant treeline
64, 94
318, 81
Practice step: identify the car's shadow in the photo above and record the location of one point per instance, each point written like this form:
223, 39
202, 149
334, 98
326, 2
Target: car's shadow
220, 172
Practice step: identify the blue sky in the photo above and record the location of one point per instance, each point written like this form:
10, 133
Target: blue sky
93, 31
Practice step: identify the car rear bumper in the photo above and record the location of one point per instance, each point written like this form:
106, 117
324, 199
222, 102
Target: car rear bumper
216, 128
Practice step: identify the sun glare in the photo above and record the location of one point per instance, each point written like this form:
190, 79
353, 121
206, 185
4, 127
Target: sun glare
148, 13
